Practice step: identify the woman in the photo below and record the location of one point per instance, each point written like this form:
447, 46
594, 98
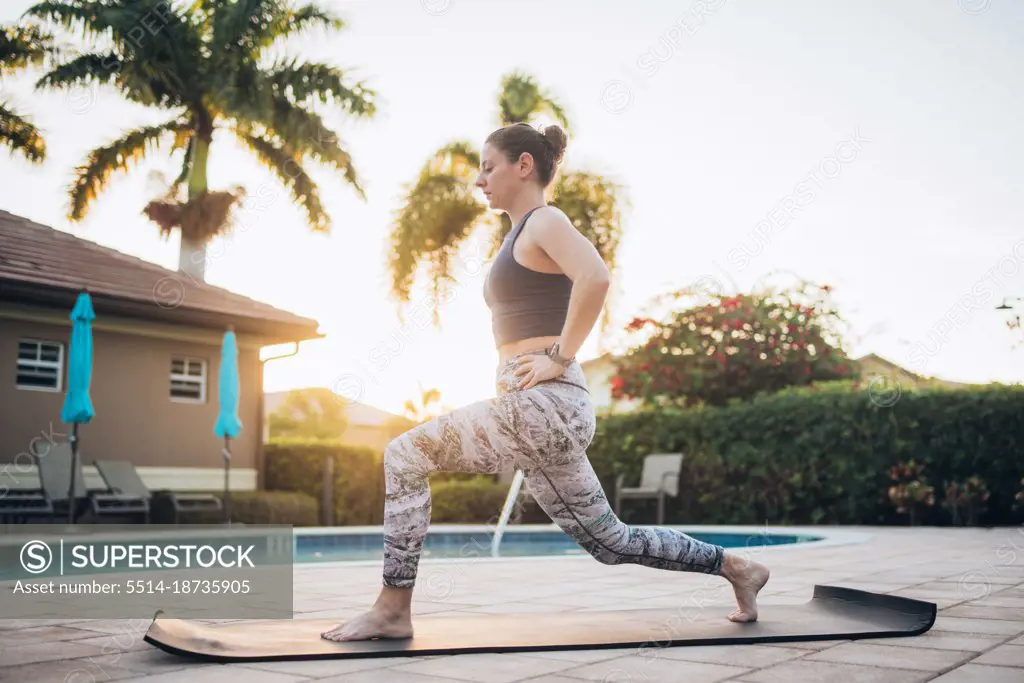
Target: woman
545, 290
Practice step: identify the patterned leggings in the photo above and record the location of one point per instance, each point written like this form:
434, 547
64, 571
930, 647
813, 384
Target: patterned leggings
543, 431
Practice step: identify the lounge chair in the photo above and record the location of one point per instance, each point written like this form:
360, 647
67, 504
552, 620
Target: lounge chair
121, 476
18, 505
659, 479
55, 479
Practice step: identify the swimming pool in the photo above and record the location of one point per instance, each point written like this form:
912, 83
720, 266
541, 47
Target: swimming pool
332, 545
363, 544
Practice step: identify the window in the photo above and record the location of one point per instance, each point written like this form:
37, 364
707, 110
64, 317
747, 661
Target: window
188, 380
40, 365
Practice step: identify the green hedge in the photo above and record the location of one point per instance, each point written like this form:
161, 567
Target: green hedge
262, 507
274, 507
822, 455
818, 455
298, 465
477, 500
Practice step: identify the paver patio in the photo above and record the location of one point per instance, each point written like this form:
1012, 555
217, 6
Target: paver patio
975, 576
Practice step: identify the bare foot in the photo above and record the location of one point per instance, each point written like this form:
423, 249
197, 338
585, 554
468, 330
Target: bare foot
747, 578
375, 623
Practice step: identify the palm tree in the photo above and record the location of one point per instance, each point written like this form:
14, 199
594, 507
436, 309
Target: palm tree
21, 47
310, 413
208, 64
441, 208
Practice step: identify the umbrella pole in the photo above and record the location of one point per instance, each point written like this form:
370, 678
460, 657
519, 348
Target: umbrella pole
72, 494
227, 470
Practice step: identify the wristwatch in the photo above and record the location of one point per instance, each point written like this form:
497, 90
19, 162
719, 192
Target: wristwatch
561, 360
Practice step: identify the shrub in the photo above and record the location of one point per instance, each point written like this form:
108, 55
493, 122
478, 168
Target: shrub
910, 490
298, 465
262, 507
966, 500
274, 507
733, 348
472, 501
310, 413
821, 454
809, 455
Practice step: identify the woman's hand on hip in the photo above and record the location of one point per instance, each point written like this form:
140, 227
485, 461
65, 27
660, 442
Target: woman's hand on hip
532, 369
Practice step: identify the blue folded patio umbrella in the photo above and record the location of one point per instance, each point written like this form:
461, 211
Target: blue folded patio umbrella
78, 407
228, 425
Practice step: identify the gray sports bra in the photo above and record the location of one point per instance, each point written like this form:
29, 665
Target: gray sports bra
524, 303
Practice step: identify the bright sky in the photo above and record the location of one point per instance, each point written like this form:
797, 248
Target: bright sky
716, 125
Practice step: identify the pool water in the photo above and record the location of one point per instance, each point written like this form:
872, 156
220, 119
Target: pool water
342, 547
367, 544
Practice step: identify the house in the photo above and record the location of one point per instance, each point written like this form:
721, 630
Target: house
599, 372
367, 425
872, 365
156, 351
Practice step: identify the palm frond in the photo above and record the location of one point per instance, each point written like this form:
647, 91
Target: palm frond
233, 23
286, 164
84, 70
516, 98
17, 134
248, 27
298, 130
305, 81
438, 213
459, 159
92, 176
23, 46
202, 6
521, 99
136, 80
309, 16
89, 18
552, 106
151, 48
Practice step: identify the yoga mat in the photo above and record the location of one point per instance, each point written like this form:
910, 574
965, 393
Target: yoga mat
833, 613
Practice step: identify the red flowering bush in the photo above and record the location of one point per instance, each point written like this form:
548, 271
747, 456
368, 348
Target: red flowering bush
734, 348
966, 500
910, 491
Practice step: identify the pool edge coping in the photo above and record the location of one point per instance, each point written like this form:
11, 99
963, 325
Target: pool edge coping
830, 537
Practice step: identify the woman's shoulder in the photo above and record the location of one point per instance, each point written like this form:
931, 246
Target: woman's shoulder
547, 219
550, 212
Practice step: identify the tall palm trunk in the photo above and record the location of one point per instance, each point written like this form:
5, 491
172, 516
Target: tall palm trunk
192, 254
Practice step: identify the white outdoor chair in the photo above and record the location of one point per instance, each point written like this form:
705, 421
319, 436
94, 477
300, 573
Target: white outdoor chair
659, 479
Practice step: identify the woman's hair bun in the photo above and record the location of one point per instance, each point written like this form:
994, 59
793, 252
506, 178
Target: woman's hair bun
557, 139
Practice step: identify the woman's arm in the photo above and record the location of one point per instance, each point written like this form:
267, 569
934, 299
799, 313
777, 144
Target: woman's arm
579, 260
